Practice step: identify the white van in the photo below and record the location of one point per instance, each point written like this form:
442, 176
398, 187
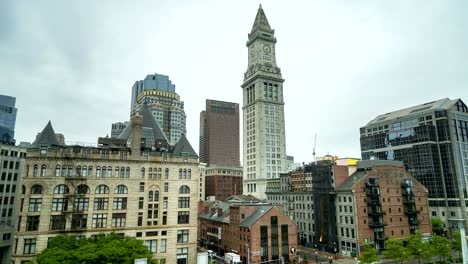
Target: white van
211, 253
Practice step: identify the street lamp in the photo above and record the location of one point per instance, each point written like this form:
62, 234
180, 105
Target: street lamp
316, 254
334, 248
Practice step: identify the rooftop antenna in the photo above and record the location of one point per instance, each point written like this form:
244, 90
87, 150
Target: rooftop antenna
315, 144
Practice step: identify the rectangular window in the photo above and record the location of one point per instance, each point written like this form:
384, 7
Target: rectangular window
285, 241
264, 243
81, 204
59, 204
152, 245
29, 246
120, 203
166, 187
182, 236
35, 204
141, 202
101, 203
79, 221
57, 222
182, 255
184, 202
119, 219
183, 217
274, 237
163, 246
32, 223
99, 220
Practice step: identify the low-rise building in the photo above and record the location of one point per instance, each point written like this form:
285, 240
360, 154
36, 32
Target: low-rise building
246, 227
380, 200
222, 182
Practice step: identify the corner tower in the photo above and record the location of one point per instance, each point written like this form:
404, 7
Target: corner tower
264, 152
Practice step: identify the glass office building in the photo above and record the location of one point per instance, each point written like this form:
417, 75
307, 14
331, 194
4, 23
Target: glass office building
432, 141
7, 118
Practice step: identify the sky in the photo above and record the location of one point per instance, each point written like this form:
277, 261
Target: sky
344, 62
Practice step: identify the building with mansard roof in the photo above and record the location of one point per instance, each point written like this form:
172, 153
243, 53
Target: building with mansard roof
136, 186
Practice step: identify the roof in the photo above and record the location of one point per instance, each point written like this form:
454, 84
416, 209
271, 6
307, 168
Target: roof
46, 137
442, 104
253, 218
261, 22
183, 147
371, 163
243, 199
148, 122
348, 184
224, 217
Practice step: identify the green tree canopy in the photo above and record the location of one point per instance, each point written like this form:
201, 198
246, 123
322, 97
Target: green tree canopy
105, 249
368, 255
437, 226
417, 247
395, 250
439, 246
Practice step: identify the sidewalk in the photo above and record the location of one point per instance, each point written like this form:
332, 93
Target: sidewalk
323, 256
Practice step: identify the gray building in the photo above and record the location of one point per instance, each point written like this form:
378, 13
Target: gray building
7, 118
118, 128
264, 137
11, 167
432, 141
158, 92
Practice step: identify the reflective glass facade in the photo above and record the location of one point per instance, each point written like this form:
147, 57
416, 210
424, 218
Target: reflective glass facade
7, 118
431, 141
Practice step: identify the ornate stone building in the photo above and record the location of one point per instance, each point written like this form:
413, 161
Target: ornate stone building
120, 186
263, 110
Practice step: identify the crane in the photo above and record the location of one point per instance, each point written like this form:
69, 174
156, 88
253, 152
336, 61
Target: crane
315, 144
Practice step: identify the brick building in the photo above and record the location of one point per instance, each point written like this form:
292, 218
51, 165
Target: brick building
256, 230
380, 200
147, 193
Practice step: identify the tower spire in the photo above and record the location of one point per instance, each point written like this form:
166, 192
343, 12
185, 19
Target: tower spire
261, 22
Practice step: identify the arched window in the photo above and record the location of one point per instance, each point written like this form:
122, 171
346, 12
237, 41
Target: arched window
189, 173
61, 189
150, 173
122, 172
166, 173
98, 171
57, 171
78, 171
116, 171
82, 189
102, 189
184, 189
84, 172
180, 173
185, 174
23, 189
64, 171
121, 189
70, 171
143, 173
35, 170
156, 195
150, 196
90, 171
109, 171
43, 170
37, 189
127, 172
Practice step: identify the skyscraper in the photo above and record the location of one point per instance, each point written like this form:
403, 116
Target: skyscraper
7, 118
219, 149
158, 92
432, 141
264, 136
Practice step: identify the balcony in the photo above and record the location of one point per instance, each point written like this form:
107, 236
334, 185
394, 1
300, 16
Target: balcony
408, 201
373, 201
413, 221
376, 212
377, 224
411, 210
380, 237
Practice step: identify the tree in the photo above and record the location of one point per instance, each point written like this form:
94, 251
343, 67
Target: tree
395, 250
456, 244
368, 255
104, 249
439, 246
417, 247
437, 226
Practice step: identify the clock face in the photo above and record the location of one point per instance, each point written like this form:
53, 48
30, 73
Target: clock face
266, 49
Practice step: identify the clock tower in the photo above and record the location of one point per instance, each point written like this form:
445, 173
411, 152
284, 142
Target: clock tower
264, 138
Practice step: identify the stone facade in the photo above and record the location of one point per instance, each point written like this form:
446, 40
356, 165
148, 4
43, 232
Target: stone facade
132, 191
264, 137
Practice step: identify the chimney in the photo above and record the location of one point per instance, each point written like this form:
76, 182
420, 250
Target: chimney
212, 211
135, 136
220, 211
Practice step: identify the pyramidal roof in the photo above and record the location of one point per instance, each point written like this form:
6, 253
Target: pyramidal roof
46, 137
148, 122
183, 147
261, 22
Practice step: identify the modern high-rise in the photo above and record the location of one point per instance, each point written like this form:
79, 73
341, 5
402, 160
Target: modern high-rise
264, 151
158, 92
219, 149
432, 141
7, 118
118, 128
124, 187
11, 169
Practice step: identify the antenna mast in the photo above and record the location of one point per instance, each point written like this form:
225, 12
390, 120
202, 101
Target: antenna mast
315, 144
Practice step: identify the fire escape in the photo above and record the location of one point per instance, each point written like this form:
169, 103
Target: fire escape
409, 205
375, 212
76, 201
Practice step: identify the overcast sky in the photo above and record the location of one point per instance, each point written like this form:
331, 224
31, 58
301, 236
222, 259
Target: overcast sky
344, 62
